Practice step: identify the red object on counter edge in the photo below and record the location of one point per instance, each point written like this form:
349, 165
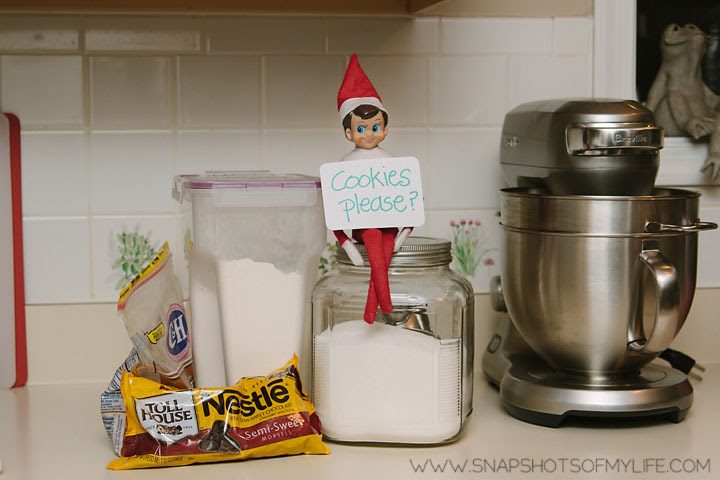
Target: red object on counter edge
21, 370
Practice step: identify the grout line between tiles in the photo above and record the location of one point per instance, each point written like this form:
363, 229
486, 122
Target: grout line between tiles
175, 99
325, 47
204, 37
590, 57
262, 92
508, 82
54, 217
2, 108
250, 53
428, 144
441, 28
120, 131
175, 82
87, 114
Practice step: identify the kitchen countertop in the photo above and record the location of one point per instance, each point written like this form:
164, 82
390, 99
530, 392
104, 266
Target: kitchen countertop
55, 431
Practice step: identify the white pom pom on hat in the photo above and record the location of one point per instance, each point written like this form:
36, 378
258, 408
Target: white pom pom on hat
356, 90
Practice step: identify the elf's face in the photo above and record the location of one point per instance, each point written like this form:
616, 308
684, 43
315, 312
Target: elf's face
366, 133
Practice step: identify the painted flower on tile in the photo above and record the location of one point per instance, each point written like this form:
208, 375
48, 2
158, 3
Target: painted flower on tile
469, 247
132, 251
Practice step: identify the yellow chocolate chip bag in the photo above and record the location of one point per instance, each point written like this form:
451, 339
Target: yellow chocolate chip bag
257, 417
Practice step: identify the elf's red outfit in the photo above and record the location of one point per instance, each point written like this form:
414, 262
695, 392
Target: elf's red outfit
379, 244
356, 90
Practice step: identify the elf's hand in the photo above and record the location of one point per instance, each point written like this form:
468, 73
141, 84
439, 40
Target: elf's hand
401, 237
353, 253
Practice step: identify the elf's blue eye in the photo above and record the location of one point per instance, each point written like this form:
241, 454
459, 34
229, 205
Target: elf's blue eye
360, 129
376, 128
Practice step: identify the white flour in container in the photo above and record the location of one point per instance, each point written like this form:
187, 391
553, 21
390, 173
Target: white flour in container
262, 312
205, 318
379, 383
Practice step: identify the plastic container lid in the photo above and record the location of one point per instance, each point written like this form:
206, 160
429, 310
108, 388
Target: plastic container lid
256, 187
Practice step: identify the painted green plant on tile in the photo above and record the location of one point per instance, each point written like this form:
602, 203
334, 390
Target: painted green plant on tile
469, 247
135, 252
328, 260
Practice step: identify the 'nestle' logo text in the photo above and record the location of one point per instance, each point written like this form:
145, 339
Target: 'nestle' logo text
236, 403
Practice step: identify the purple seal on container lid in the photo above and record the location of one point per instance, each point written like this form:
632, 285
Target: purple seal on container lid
249, 187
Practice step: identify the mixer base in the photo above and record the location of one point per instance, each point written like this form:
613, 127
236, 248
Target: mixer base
535, 393
672, 414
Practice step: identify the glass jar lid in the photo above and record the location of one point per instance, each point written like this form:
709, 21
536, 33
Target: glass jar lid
415, 252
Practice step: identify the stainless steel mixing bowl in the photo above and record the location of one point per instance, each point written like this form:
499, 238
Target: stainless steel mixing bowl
599, 285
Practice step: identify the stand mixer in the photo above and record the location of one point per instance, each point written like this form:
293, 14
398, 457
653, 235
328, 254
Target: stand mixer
598, 269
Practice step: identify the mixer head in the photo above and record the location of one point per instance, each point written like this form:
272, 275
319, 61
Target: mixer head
581, 147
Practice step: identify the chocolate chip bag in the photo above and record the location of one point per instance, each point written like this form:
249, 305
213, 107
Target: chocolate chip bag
257, 417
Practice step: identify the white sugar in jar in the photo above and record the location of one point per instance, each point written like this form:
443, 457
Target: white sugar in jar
406, 378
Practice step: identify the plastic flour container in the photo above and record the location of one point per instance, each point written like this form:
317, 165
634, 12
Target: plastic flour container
257, 238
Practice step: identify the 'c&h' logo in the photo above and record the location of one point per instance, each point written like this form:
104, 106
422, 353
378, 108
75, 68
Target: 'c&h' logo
178, 341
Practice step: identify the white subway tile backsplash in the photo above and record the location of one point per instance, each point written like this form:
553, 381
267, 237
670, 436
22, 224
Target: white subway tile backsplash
57, 262
199, 151
219, 91
406, 142
402, 83
464, 169
708, 274
21, 33
701, 330
113, 106
680, 161
496, 36
475, 237
122, 245
537, 78
131, 92
382, 35
468, 90
440, 224
572, 36
54, 173
43, 90
420, 231
303, 151
264, 34
183, 242
121, 33
709, 195
301, 91
131, 172
152, 96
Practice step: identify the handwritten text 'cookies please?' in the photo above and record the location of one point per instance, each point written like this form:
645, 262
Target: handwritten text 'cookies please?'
384, 192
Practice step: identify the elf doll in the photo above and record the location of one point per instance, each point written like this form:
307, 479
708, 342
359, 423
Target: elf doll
365, 122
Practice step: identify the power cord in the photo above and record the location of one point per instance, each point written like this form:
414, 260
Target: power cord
684, 363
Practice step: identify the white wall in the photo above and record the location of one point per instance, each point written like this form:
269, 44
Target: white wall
113, 107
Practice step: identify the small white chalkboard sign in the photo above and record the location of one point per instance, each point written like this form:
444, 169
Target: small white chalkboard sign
384, 192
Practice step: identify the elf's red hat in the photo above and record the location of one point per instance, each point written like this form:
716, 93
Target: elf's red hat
356, 90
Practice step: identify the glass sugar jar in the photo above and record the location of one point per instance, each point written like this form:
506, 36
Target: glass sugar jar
408, 377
